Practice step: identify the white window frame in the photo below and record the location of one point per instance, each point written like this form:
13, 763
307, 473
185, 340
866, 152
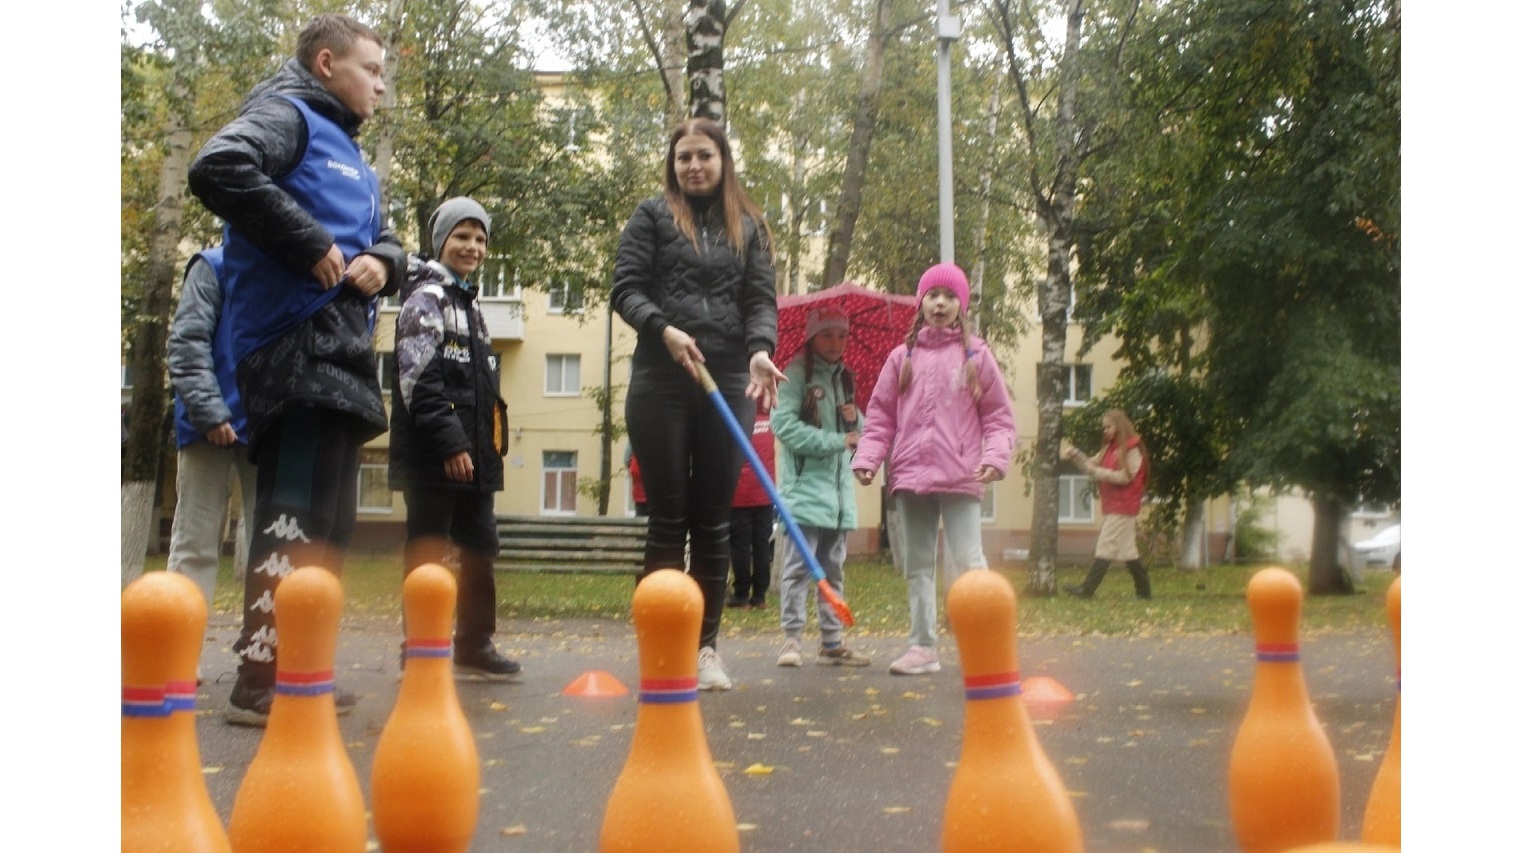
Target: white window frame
492, 284
386, 386
554, 366
375, 464
1071, 395
1072, 489
562, 299
552, 484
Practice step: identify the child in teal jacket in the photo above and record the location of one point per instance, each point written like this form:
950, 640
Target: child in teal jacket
817, 424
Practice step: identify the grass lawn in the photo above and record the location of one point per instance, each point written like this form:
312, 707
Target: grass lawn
876, 593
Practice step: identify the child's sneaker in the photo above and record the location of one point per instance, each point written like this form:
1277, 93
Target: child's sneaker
789, 653
711, 672
841, 656
917, 660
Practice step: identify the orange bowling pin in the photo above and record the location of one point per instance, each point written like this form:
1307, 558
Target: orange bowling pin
425, 781
669, 796
1381, 819
1005, 794
301, 792
164, 803
1283, 785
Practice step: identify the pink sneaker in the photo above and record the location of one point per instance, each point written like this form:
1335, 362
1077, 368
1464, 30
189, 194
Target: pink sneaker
917, 660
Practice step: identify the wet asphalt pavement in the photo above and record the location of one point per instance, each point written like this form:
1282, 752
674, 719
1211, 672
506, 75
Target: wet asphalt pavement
856, 759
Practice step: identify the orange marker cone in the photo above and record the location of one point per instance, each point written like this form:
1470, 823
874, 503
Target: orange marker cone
301, 792
595, 683
1044, 697
425, 780
164, 803
1006, 794
1381, 819
1282, 780
669, 796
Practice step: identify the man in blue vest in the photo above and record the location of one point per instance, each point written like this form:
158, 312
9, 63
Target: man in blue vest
307, 254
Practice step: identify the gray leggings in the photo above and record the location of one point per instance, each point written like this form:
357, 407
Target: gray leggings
919, 515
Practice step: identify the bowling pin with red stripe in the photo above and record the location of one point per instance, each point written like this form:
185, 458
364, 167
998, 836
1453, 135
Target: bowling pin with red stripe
669, 795
164, 803
425, 780
1381, 819
1283, 785
301, 792
1006, 794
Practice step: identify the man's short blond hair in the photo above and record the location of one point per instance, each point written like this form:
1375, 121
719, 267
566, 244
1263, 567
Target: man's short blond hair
333, 32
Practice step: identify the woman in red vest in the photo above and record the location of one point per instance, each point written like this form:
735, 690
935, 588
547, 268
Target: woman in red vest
1121, 473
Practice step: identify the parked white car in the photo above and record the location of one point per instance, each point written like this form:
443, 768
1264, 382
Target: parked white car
1381, 549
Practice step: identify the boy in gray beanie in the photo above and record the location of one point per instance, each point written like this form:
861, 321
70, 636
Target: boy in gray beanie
451, 212
448, 428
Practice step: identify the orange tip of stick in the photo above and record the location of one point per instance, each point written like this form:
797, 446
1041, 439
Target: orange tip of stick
831, 597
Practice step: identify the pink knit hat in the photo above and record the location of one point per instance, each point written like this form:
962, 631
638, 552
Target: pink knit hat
944, 275
825, 317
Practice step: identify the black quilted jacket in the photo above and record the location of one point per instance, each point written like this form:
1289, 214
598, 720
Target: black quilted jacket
725, 302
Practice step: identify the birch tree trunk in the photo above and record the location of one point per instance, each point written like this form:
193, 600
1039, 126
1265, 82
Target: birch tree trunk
147, 417
705, 36
1192, 555
1055, 209
384, 148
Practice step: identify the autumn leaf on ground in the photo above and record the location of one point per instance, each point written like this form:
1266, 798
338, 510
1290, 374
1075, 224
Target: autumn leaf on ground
532, 730
931, 721
756, 769
897, 809
518, 829
499, 706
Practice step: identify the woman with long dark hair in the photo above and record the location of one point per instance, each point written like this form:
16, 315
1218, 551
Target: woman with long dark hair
695, 279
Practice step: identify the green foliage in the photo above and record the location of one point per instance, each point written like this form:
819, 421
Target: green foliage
1247, 234
1253, 540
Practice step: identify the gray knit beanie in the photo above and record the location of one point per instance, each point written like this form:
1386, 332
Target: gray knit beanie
449, 214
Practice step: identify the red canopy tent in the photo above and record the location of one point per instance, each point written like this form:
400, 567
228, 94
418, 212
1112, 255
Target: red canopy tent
877, 323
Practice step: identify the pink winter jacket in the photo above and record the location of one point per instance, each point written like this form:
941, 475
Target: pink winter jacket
934, 434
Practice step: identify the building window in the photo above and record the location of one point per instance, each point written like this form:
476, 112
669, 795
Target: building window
126, 377
374, 493
387, 370
987, 504
564, 298
1076, 499
560, 482
561, 377
494, 282
1081, 379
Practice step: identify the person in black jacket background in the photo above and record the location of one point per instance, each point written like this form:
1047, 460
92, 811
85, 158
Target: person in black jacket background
307, 254
448, 428
695, 279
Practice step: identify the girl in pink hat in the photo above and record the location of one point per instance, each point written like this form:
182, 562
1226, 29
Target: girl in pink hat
942, 417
